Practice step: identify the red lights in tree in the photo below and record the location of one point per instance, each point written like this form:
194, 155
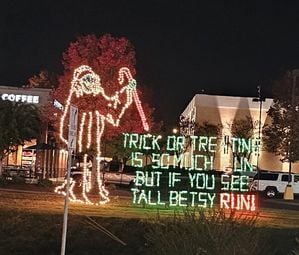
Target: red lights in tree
106, 55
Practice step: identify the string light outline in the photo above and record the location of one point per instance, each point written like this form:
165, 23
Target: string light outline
85, 81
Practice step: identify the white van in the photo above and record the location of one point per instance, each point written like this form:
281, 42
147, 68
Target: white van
273, 183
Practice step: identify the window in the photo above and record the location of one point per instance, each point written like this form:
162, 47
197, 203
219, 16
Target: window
266, 176
296, 178
130, 169
285, 178
114, 167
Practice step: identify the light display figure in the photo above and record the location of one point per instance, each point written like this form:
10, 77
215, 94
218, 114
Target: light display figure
86, 82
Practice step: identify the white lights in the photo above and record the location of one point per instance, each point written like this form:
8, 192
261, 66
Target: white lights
89, 131
81, 131
87, 82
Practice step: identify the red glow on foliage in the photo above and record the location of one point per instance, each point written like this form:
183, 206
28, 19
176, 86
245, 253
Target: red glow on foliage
105, 55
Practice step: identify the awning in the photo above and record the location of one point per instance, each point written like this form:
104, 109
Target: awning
40, 146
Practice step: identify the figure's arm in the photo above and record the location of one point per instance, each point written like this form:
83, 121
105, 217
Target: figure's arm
131, 92
140, 110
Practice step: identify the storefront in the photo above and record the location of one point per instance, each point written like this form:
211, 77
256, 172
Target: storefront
36, 96
41, 157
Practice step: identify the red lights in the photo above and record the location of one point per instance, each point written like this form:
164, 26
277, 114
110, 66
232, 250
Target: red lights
237, 201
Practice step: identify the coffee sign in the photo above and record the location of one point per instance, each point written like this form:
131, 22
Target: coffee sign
20, 98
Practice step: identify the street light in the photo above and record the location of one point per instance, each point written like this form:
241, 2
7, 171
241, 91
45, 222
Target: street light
295, 73
260, 100
289, 192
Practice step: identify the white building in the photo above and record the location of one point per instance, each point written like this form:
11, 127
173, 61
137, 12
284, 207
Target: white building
223, 110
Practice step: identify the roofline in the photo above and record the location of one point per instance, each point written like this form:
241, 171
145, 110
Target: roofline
203, 94
25, 88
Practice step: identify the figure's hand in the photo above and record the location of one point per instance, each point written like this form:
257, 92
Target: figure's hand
132, 85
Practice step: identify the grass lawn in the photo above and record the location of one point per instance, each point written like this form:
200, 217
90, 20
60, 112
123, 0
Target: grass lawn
32, 224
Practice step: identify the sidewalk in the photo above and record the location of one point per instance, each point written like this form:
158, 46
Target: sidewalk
27, 191
280, 204
282, 201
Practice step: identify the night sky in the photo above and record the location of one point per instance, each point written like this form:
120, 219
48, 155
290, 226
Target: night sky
182, 47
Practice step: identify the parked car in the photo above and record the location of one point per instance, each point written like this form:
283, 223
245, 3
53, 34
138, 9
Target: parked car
76, 173
122, 175
273, 183
13, 171
111, 174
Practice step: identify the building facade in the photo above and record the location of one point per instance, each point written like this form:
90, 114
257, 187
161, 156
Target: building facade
40, 156
223, 111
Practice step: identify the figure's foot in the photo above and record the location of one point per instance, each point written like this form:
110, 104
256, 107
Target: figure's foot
104, 193
61, 189
83, 196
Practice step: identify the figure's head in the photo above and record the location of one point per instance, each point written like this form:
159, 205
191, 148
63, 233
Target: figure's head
86, 81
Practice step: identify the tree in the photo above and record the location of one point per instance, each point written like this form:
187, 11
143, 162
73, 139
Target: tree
105, 55
18, 123
209, 130
44, 79
242, 128
281, 136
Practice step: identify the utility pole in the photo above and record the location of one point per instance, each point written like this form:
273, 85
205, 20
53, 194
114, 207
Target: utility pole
72, 140
292, 126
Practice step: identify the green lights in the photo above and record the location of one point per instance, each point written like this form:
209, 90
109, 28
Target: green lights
147, 179
141, 141
202, 181
234, 182
181, 179
165, 161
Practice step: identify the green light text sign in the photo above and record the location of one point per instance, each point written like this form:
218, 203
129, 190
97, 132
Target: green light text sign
180, 177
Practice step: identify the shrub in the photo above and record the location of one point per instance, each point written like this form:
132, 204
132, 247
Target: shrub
17, 180
45, 183
296, 251
209, 233
3, 181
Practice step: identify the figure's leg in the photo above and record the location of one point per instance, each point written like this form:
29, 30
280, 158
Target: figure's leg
89, 131
100, 129
81, 129
72, 195
86, 178
86, 182
61, 189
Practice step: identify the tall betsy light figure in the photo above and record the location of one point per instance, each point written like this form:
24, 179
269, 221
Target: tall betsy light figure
86, 82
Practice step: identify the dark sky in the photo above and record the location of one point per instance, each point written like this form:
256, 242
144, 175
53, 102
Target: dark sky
183, 47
